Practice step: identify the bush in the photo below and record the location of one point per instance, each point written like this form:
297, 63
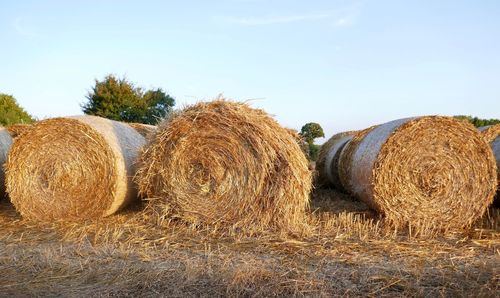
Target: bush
11, 112
478, 122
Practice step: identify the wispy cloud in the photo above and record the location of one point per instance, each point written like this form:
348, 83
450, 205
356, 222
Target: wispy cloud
260, 21
344, 22
24, 29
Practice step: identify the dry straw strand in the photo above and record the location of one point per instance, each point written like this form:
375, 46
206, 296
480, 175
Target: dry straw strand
433, 171
224, 163
73, 168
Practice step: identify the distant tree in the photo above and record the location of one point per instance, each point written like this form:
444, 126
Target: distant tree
158, 103
11, 112
311, 131
118, 99
314, 151
478, 122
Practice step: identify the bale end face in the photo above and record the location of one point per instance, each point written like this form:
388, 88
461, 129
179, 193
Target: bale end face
428, 171
226, 164
72, 169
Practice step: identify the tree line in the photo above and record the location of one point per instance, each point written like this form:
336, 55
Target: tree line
119, 99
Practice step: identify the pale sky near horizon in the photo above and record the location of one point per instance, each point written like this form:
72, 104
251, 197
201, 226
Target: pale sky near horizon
344, 64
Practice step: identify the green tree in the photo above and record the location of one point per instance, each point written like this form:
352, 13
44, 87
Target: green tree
308, 133
478, 122
121, 100
11, 112
314, 151
311, 131
158, 104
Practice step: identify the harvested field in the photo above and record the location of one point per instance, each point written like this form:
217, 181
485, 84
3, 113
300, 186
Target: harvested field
432, 173
348, 253
74, 168
226, 164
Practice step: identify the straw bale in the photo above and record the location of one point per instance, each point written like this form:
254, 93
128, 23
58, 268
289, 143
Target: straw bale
328, 157
73, 168
431, 170
5, 145
492, 135
300, 140
143, 129
224, 163
17, 129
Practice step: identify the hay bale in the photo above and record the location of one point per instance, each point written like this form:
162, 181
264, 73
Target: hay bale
143, 129
5, 145
432, 171
492, 135
300, 140
73, 168
17, 129
225, 163
328, 157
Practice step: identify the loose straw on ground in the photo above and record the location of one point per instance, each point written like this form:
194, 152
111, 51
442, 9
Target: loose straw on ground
492, 135
73, 168
225, 163
432, 171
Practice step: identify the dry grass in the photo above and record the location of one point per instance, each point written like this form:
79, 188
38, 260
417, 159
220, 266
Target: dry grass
349, 252
431, 173
226, 164
73, 168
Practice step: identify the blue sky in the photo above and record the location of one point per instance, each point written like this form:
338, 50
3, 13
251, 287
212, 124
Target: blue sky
343, 64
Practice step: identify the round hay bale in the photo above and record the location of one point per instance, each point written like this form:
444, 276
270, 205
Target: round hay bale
143, 129
17, 129
328, 157
492, 136
5, 145
73, 168
429, 171
224, 163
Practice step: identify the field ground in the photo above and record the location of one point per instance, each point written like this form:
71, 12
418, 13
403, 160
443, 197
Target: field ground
347, 252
